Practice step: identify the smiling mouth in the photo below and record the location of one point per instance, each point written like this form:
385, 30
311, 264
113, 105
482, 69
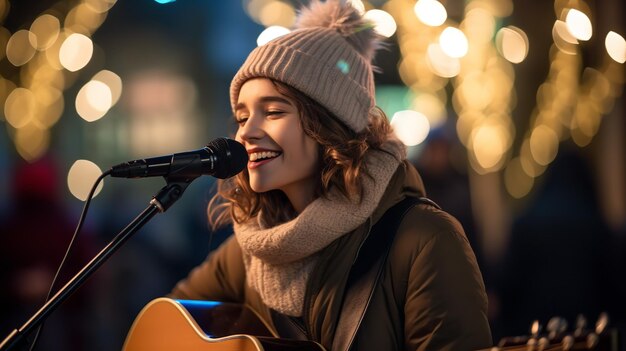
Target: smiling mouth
263, 156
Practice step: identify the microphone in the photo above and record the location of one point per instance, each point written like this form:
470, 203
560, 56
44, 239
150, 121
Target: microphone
221, 158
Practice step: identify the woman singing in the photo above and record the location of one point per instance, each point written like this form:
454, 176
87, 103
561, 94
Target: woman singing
324, 168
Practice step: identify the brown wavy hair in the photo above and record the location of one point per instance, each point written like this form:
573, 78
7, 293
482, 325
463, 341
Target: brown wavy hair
342, 165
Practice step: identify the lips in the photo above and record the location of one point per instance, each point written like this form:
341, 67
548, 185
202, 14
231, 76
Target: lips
259, 157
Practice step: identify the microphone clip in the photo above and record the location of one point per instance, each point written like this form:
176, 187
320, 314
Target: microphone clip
171, 192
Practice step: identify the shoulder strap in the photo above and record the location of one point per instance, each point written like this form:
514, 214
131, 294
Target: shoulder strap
367, 270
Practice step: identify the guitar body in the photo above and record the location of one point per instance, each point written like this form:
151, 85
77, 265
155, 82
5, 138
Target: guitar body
186, 325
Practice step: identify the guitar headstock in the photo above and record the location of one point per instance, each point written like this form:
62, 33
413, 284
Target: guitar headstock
557, 336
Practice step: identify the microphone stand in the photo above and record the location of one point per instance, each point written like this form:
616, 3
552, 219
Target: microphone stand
165, 198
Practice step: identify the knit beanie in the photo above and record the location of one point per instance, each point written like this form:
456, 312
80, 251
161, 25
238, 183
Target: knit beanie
327, 57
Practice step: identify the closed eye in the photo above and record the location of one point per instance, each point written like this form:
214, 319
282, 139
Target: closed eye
241, 120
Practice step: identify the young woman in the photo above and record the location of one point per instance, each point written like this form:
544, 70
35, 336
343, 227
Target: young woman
324, 168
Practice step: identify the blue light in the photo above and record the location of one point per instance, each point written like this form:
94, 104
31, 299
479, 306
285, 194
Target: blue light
164, 1
199, 303
343, 66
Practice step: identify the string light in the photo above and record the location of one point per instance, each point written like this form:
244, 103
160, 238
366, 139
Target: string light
33, 100
483, 93
453, 42
512, 43
80, 179
411, 127
615, 46
472, 56
75, 52
270, 33
430, 12
385, 25
579, 24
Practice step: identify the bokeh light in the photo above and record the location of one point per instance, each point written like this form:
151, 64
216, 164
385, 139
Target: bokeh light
52, 53
270, 12
528, 163
31, 141
453, 42
76, 52
560, 28
357, 4
512, 43
99, 5
253, 8
83, 19
20, 48
615, 46
489, 143
476, 91
50, 105
81, 177
411, 127
384, 23
46, 30
20, 107
277, 13
579, 24
440, 63
430, 12
93, 100
544, 144
518, 184
113, 81
271, 33
563, 39
98, 95
479, 25
432, 107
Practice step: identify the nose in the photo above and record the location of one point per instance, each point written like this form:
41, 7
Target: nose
251, 129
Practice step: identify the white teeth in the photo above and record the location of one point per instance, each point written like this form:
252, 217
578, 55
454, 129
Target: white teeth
261, 155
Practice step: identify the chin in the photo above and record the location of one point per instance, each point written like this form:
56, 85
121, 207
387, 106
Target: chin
259, 188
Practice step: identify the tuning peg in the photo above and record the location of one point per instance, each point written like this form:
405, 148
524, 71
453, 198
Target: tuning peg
567, 343
556, 325
531, 344
535, 328
543, 344
602, 322
581, 324
592, 341
563, 326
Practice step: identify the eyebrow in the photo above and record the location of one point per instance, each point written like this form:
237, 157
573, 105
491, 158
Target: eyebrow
265, 99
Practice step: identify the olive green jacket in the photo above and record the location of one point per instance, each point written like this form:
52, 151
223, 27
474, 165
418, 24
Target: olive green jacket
431, 295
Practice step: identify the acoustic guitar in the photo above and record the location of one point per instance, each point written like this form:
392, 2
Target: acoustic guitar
186, 325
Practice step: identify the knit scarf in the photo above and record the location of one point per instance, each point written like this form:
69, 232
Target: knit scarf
279, 260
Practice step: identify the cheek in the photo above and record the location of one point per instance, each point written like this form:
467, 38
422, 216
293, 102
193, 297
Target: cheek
309, 157
299, 147
312, 149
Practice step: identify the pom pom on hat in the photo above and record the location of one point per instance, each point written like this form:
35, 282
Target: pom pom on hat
327, 56
346, 20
